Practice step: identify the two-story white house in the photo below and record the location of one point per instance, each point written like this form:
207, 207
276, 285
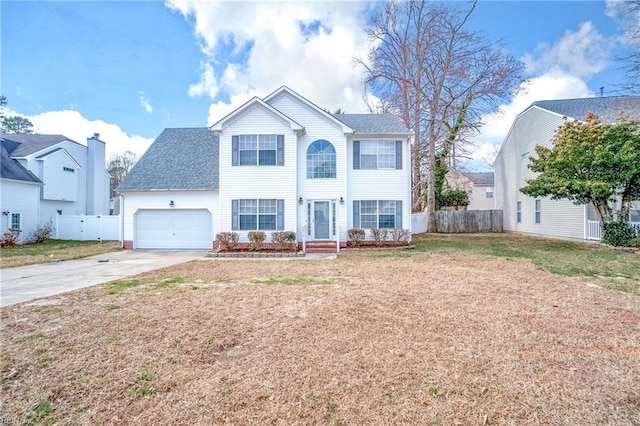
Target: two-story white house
278, 163
537, 125
48, 175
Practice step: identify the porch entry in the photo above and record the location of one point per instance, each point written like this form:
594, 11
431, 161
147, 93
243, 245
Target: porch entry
321, 216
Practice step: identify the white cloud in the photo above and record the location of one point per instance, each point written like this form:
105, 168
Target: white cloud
144, 102
207, 84
308, 46
78, 128
582, 53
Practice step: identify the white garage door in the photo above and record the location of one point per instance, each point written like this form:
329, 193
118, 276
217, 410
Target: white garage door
173, 229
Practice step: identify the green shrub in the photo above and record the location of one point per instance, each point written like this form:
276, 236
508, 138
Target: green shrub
454, 198
634, 242
618, 233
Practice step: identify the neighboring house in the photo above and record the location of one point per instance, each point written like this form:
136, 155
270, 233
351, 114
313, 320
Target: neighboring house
48, 175
479, 186
536, 126
278, 163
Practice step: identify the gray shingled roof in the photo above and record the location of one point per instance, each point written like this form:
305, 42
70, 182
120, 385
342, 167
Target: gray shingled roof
178, 159
481, 178
607, 108
12, 169
382, 124
30, 143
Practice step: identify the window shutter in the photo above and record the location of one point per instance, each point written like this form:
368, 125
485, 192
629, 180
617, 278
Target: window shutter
398, 155
234, 150
280, 215
356, 214
280, 153
356, 155
399, 214
234, 215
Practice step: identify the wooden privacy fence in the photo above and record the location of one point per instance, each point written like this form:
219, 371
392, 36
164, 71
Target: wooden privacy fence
456, 221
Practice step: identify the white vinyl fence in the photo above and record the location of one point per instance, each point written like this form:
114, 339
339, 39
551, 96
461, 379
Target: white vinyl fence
84, 227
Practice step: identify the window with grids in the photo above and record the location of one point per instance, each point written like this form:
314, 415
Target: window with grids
258, 150
321, 160
377, 214
519, 212
15, 221
537, 211
257, 215
377, 154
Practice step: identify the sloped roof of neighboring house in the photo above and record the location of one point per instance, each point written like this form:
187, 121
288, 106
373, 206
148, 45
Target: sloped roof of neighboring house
481, 178
185, 158
383, 124
607, 108
12, 169
30, 143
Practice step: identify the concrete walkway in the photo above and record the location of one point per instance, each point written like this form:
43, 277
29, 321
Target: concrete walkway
26, 283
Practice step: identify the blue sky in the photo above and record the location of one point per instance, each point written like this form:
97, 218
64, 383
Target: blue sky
129, 69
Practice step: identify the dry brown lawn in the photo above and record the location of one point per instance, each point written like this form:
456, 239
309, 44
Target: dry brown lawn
370, 338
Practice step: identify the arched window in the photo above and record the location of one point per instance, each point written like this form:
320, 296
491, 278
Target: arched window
321, 160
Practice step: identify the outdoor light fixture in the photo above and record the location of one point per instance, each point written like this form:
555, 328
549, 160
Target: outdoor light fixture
171, 203
341, 200
300, 200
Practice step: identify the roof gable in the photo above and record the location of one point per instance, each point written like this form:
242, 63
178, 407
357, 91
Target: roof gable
179, 159
285, 91
255, 102
44, 156
30, 143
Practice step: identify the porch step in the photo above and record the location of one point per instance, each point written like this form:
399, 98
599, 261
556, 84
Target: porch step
321, 247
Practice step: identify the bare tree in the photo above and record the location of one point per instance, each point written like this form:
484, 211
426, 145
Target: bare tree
631, 62
118, 169
439, 78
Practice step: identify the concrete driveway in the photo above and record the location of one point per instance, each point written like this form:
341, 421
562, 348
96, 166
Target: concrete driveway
26, 283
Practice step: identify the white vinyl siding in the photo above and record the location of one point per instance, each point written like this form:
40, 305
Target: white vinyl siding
257, 182
562, 218
60, 177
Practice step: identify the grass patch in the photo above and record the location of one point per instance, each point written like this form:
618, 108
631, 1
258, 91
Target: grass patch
140, 392
170, 282
612, 269
31, 254
42, 413
116, 287
144, 377
34, 336
292, 281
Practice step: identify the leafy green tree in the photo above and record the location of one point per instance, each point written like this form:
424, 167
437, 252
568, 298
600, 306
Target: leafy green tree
591, 162
16, 124
13, 124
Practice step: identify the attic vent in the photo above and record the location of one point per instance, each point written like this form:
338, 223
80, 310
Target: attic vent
69, 169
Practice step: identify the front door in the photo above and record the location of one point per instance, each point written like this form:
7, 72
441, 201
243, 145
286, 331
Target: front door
321, 220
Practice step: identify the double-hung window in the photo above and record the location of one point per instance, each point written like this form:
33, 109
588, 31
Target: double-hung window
369, 214
257, 215
377, 154
257, 150
16, 222
519, 212
537, 212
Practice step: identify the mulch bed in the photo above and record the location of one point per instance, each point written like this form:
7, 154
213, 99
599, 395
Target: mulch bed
383, 337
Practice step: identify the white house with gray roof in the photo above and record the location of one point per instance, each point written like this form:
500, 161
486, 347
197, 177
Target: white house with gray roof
536, 126
48, 175
278, 163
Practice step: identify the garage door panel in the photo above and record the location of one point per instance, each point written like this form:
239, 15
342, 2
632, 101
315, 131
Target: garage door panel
173, 229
